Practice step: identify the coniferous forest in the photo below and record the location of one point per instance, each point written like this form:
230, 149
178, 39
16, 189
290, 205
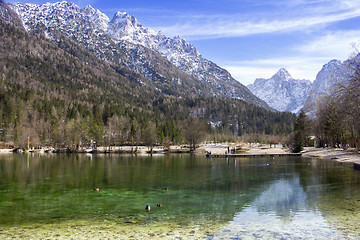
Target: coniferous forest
64, 96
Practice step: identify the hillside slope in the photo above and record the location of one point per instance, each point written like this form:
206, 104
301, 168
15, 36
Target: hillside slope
172, 64
68, 97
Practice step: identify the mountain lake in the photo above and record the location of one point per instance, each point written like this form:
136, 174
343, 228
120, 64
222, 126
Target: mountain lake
55, 196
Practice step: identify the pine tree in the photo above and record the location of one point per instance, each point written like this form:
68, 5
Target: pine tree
300, 132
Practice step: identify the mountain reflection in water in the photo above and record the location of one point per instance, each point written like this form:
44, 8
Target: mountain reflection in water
251, 198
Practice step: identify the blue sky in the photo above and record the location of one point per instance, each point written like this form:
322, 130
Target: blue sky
252, 38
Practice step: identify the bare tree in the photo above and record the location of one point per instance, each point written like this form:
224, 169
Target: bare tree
338, 113
150, 135
118, 130
349, 96
194, 131
73, 134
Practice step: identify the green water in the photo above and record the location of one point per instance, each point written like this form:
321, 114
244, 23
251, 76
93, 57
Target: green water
51, 196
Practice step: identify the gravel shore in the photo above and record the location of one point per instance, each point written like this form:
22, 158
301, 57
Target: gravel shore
336, 154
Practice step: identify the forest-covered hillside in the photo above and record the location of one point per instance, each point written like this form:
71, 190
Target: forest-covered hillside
67, 97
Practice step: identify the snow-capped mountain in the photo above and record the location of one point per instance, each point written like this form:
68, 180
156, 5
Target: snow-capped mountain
284, 93
85, 26
281, 91
327, 77
331, 73
171, 64
66, 16
182, 54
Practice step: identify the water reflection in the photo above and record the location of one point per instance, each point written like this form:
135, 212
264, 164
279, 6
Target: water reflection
310, 205
281, 211
284, 198
275, 196
250, 224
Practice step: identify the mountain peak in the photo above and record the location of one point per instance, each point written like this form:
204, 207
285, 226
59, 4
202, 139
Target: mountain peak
333, 63
119, 14
99, 18
124, 26
330, 73
281, 91
127, 19
89, 9
64, 4
283, 74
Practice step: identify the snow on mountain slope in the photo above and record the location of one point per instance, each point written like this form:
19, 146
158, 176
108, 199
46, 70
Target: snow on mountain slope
331, 73
182, 54
123, 39
65, 16
281, 91
284, 93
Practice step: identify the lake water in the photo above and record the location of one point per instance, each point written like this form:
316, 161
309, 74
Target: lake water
51, 196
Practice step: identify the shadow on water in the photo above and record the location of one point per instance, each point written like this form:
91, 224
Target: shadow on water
238, 194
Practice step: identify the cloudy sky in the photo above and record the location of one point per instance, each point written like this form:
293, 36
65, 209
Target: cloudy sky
252, 38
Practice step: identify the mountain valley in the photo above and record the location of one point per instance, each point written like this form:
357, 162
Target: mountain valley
67, 83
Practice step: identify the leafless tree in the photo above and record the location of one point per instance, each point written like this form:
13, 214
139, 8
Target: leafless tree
194, 131
150, 136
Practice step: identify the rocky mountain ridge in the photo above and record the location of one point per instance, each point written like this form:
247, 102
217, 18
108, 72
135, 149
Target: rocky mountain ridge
284, 93
173, 65
331, 73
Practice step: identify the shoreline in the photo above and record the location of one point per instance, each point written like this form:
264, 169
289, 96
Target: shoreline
336, 154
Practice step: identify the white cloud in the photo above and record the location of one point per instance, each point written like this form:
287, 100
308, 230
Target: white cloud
309, 15
310, 57
220, 28
337, 44
299, 68
247, 74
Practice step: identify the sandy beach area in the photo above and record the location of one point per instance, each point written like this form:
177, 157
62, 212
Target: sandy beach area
336, 154
254, 148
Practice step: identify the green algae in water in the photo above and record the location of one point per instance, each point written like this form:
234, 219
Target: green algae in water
205, 198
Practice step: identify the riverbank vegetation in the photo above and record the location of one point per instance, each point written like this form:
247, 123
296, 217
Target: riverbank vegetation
338, 114
336, 119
